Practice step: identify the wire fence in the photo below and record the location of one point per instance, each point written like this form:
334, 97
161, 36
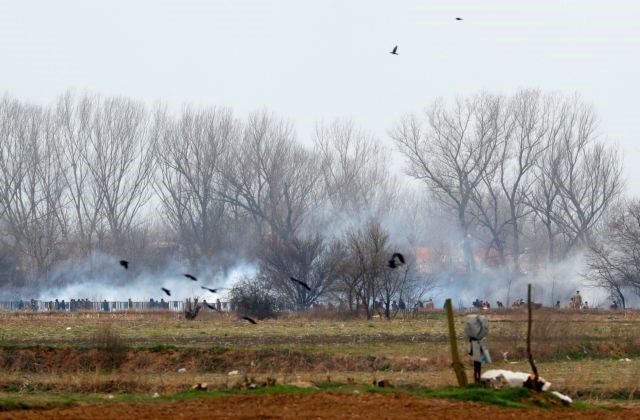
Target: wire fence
99, 306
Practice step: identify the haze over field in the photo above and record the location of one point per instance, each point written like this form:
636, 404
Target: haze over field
318, 72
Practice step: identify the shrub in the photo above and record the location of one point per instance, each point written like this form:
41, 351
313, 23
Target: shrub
191, 308
253, 297
112, 350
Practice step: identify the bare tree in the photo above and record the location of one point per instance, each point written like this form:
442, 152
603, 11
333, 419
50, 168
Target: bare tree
544, 200
614, 264
76, 118
404, 281
120, 152
587, 174
271, 177
529, 126
190, 153
312, 260
365, 266
31, 185
608, 271
452, 151
355, 171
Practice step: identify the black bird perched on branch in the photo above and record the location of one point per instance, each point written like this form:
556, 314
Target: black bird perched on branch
211, 290
301, 283
394, 51
167, 291
397, 259
189, 276
125, 264
249, 319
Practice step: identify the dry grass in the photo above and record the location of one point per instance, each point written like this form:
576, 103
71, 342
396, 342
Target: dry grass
142, 351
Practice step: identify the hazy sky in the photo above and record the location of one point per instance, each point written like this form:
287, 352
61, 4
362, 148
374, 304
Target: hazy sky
314, 60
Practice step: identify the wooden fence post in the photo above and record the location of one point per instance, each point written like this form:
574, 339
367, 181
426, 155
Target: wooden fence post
529, 355
457, 366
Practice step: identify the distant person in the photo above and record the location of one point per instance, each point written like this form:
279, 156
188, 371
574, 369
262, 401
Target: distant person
105, 306
218, 305
557, 304
586, 305
401, 305
577, 300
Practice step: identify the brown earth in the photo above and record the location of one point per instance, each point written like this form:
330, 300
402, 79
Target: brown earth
315, 405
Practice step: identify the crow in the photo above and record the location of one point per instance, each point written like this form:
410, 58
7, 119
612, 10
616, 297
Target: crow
398, 256
167, 291
400, 260
249, 319
459, 19
125, 264
210, 306
211, 290
189, 276
301, 283
395, 50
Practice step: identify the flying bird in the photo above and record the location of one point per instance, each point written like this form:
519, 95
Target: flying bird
394, 51
459, 18
301, 283
125, 264
397, 259
189, 276
167, 291
210, 306
249, 319
211, 290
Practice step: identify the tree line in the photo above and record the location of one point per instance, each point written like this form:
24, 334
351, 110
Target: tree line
520, 175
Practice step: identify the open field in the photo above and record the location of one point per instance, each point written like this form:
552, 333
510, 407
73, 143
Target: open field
60, 359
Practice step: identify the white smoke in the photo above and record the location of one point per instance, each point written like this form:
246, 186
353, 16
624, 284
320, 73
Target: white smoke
100, 277
557, 282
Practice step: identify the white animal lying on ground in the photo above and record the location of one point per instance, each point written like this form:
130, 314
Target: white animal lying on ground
513, 379
500, 378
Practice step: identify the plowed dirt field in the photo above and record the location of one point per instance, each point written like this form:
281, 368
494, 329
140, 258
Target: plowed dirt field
316, 405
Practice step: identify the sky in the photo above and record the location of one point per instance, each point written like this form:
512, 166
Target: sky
312, 61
